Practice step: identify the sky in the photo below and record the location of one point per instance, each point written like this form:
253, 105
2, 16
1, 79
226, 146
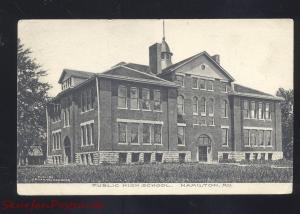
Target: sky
258, 53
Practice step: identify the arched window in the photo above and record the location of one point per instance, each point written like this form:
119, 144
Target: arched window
195, 105
204, 140
224, 108
180, 104
211, 107
203, 106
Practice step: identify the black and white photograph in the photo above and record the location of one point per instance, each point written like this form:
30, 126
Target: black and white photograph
155, 106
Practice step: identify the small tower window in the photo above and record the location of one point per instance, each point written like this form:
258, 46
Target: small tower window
202, 67
162, 55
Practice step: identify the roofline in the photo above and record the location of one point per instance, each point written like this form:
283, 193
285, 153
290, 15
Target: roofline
241, 94
197, 55
139, 80
65, 70
158, 78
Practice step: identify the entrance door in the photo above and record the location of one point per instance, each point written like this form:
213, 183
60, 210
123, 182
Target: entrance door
67, 146
202, 153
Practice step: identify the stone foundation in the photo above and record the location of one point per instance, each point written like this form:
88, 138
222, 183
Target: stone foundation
252, 155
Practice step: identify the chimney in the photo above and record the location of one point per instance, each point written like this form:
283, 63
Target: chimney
216, 58
155, 58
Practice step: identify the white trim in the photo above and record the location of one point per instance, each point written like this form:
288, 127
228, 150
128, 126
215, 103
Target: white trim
82, 112
87, 122
155, 77
139, 121
181, 124
180, 74
226, 81
224, 127
258, 128
56, 131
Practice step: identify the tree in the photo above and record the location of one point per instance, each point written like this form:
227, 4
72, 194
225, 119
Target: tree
31, 103
287, 120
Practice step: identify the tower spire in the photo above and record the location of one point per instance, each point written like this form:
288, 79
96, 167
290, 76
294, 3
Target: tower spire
163, 29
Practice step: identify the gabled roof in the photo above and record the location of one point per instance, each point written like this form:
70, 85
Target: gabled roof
177, 65
75, 73
139, 67
123, 72
240, 90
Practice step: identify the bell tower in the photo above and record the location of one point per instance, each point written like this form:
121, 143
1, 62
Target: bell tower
160, 55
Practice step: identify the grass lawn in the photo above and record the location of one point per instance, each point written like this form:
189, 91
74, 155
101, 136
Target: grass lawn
155, 173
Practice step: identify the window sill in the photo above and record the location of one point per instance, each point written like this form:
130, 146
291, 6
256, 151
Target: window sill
160, 111
224, 117
147, 144
157, 144
212, 125
120, 143
195, 124
135, 144
121, 108
195, 114
203, 125
203, 89
68, 126
196, 88
135, 109
248, 146
146, 110
180, 144
225, 146
87, 111
210, 90
210, 115
203, 114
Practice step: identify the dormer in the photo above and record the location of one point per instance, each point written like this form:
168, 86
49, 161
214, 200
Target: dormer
71, 78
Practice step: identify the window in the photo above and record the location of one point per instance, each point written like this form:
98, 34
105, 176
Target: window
211, 121
246, 137
180, 80
157, 104
135, 157
255, 155
202, 84
82, 135
122, 97
224, 136
158, 157
87, 99
122, 132
181, 157
270, 156
162, 55
122, 157
145, 99
181, 135
146, 134
180, 105
247, 156
134, 98
210, 85
203, 106
147, 157
224, 87
56, 140
157, 133
267, 111
225, 156
260, 115
252, 110
224, 108
211, 107
253, 137
246, 109
260, 137
134, 133
87, 133
203, 121
66, 117
267, 137
195, 82
263, 156
195, 105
